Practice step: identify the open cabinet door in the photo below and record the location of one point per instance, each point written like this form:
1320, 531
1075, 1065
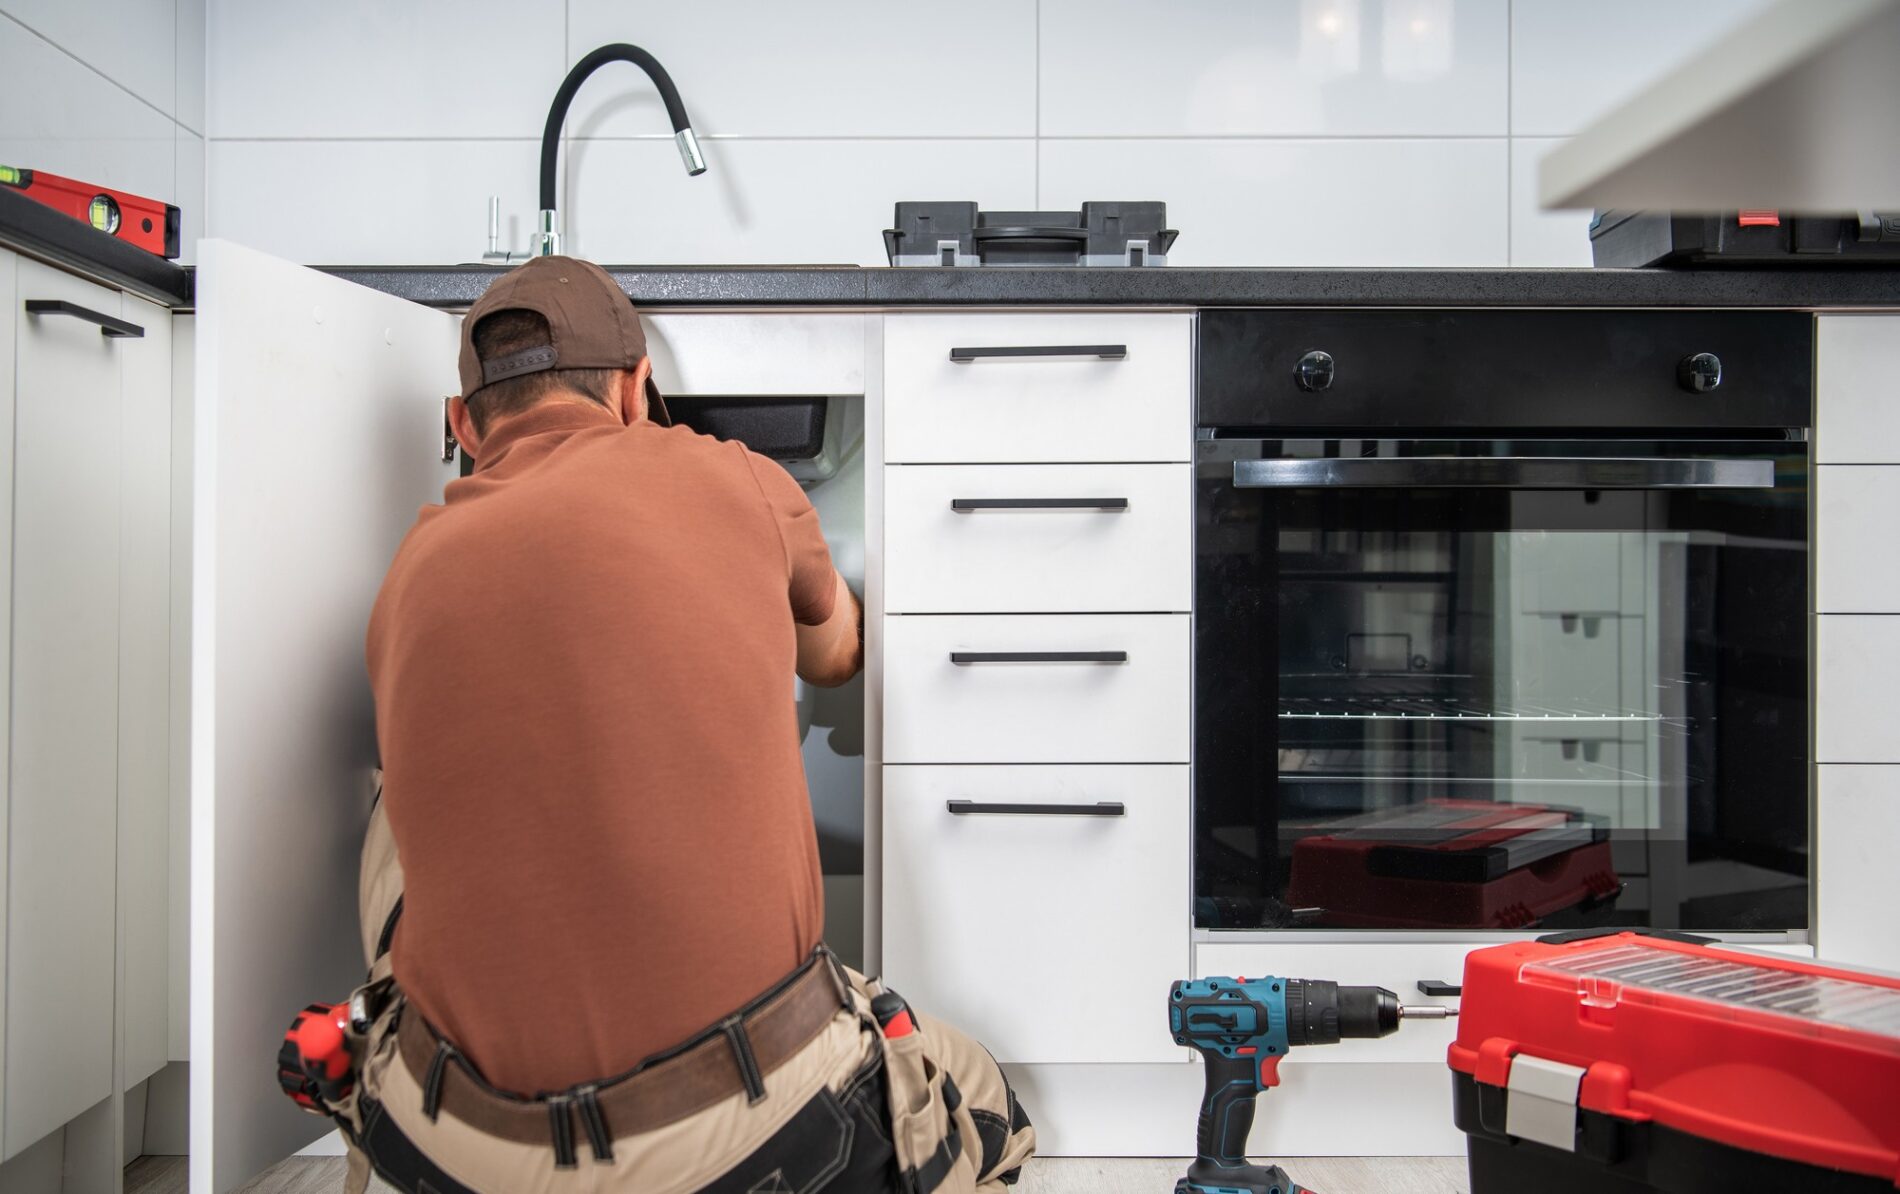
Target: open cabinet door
317, 434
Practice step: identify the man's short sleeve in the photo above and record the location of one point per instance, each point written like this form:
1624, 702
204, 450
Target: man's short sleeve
813, 591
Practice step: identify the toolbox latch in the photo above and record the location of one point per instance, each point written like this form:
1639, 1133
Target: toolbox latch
1542, 1103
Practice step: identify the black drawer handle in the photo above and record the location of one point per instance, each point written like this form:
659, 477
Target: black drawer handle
1105, 505
963, 658
1439, 988
1028, 232
109, 326
1107, 352
1101, 808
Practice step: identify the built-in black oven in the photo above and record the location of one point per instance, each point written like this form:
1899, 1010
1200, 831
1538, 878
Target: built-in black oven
1501, 620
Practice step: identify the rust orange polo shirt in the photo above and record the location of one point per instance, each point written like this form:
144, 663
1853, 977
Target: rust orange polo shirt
583, 666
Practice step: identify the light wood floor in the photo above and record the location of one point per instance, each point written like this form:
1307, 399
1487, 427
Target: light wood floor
1045, 1175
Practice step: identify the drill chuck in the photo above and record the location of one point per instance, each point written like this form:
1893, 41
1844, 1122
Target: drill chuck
1320, 1012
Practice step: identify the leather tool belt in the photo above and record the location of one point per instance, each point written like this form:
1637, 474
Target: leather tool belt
731, 1057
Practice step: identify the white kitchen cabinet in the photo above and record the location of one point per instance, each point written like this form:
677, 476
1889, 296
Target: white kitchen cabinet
1125, 397
317, 434
1856, 658
9, 334
1040, 688
1017, 538
1857, 822
1856, 570
1050, 936
62, 883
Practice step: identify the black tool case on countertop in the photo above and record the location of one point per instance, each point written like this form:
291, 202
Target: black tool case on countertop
1099, 234
1635, 239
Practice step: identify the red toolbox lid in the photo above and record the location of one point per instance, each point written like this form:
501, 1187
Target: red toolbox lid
1781, 1056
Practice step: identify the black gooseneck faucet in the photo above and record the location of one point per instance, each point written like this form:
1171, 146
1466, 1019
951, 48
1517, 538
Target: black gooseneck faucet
547, 240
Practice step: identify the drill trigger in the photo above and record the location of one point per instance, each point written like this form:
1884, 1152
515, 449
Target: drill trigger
1270, 1071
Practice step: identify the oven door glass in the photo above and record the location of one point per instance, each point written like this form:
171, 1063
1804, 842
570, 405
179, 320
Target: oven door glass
1501, 684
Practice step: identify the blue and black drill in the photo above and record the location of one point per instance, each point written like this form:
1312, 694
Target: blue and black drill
1243, 1027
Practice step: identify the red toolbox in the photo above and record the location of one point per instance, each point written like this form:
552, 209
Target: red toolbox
1453, 864
1621, 1063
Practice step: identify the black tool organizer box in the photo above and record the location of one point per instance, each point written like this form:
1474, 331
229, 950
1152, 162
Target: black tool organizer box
1635, 239
959, 234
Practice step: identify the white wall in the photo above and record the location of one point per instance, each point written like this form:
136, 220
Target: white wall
1279, 132
109, 91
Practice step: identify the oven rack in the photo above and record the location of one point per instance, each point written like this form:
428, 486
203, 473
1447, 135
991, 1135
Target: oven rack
1420, 707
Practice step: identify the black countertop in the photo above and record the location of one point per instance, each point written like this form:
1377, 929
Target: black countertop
40, 231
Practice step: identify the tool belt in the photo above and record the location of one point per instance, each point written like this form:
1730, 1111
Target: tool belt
727, 1059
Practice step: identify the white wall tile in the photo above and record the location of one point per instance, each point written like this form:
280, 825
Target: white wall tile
1856, 660
774, 202
189, 109
1273, 67
190, 191
833, 69
62, 117
370, 202
1857, 388
358, 68
127, 41
1571, 62
1857, 884
1538, 237
1856, 568
1308, 203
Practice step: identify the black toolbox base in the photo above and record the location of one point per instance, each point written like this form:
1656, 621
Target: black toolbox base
1616, 1156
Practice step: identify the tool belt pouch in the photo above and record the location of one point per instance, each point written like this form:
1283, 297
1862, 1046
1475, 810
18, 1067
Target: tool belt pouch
924, 1130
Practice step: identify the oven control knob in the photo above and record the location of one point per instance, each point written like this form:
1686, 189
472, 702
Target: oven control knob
1700, 372
1315, 371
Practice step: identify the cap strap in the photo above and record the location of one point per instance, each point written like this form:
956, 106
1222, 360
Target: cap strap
528, 360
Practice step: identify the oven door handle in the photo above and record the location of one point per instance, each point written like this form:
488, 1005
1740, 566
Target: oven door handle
1506, 472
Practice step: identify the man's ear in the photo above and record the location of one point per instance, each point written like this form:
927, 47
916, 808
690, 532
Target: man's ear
633, 392
463, 424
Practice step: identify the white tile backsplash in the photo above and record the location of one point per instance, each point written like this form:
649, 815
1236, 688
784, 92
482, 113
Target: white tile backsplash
63, 117
417, 68
1571, 62
130, 42
1358, 202
190, 188
1124, 68
844, 68
370, 202
1857, 822
189, 39
1539, 237
774, 202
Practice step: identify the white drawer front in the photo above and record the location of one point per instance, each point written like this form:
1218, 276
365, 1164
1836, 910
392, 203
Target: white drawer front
1048, 938
1037, 408
940, 711
1397, 967
1857, 823
1856, 569
1857, 389
1131, 548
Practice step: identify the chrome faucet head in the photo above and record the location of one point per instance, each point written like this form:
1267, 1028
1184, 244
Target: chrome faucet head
689, 151
547, 238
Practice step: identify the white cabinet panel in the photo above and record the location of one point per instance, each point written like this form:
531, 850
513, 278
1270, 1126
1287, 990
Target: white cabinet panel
1857, 884
1856, 569
1135, 556
283, 741
743, 354
1856, 660
940, 711
145, 421
982, 904
61, 906
9, 331
1326, 69
1857, 389
184, 361
1396, 966
1036, 408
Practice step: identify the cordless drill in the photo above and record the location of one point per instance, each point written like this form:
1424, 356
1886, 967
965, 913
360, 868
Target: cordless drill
1243, 1027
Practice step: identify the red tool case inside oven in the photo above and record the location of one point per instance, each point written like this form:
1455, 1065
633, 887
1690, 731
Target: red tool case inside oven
1625, 1063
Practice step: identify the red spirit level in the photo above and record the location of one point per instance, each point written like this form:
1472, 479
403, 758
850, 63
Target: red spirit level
147, 223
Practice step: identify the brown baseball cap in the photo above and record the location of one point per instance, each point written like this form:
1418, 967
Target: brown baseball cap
594, 324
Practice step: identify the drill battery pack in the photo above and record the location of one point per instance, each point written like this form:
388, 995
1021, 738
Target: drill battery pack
1453, 864
1621, 1063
